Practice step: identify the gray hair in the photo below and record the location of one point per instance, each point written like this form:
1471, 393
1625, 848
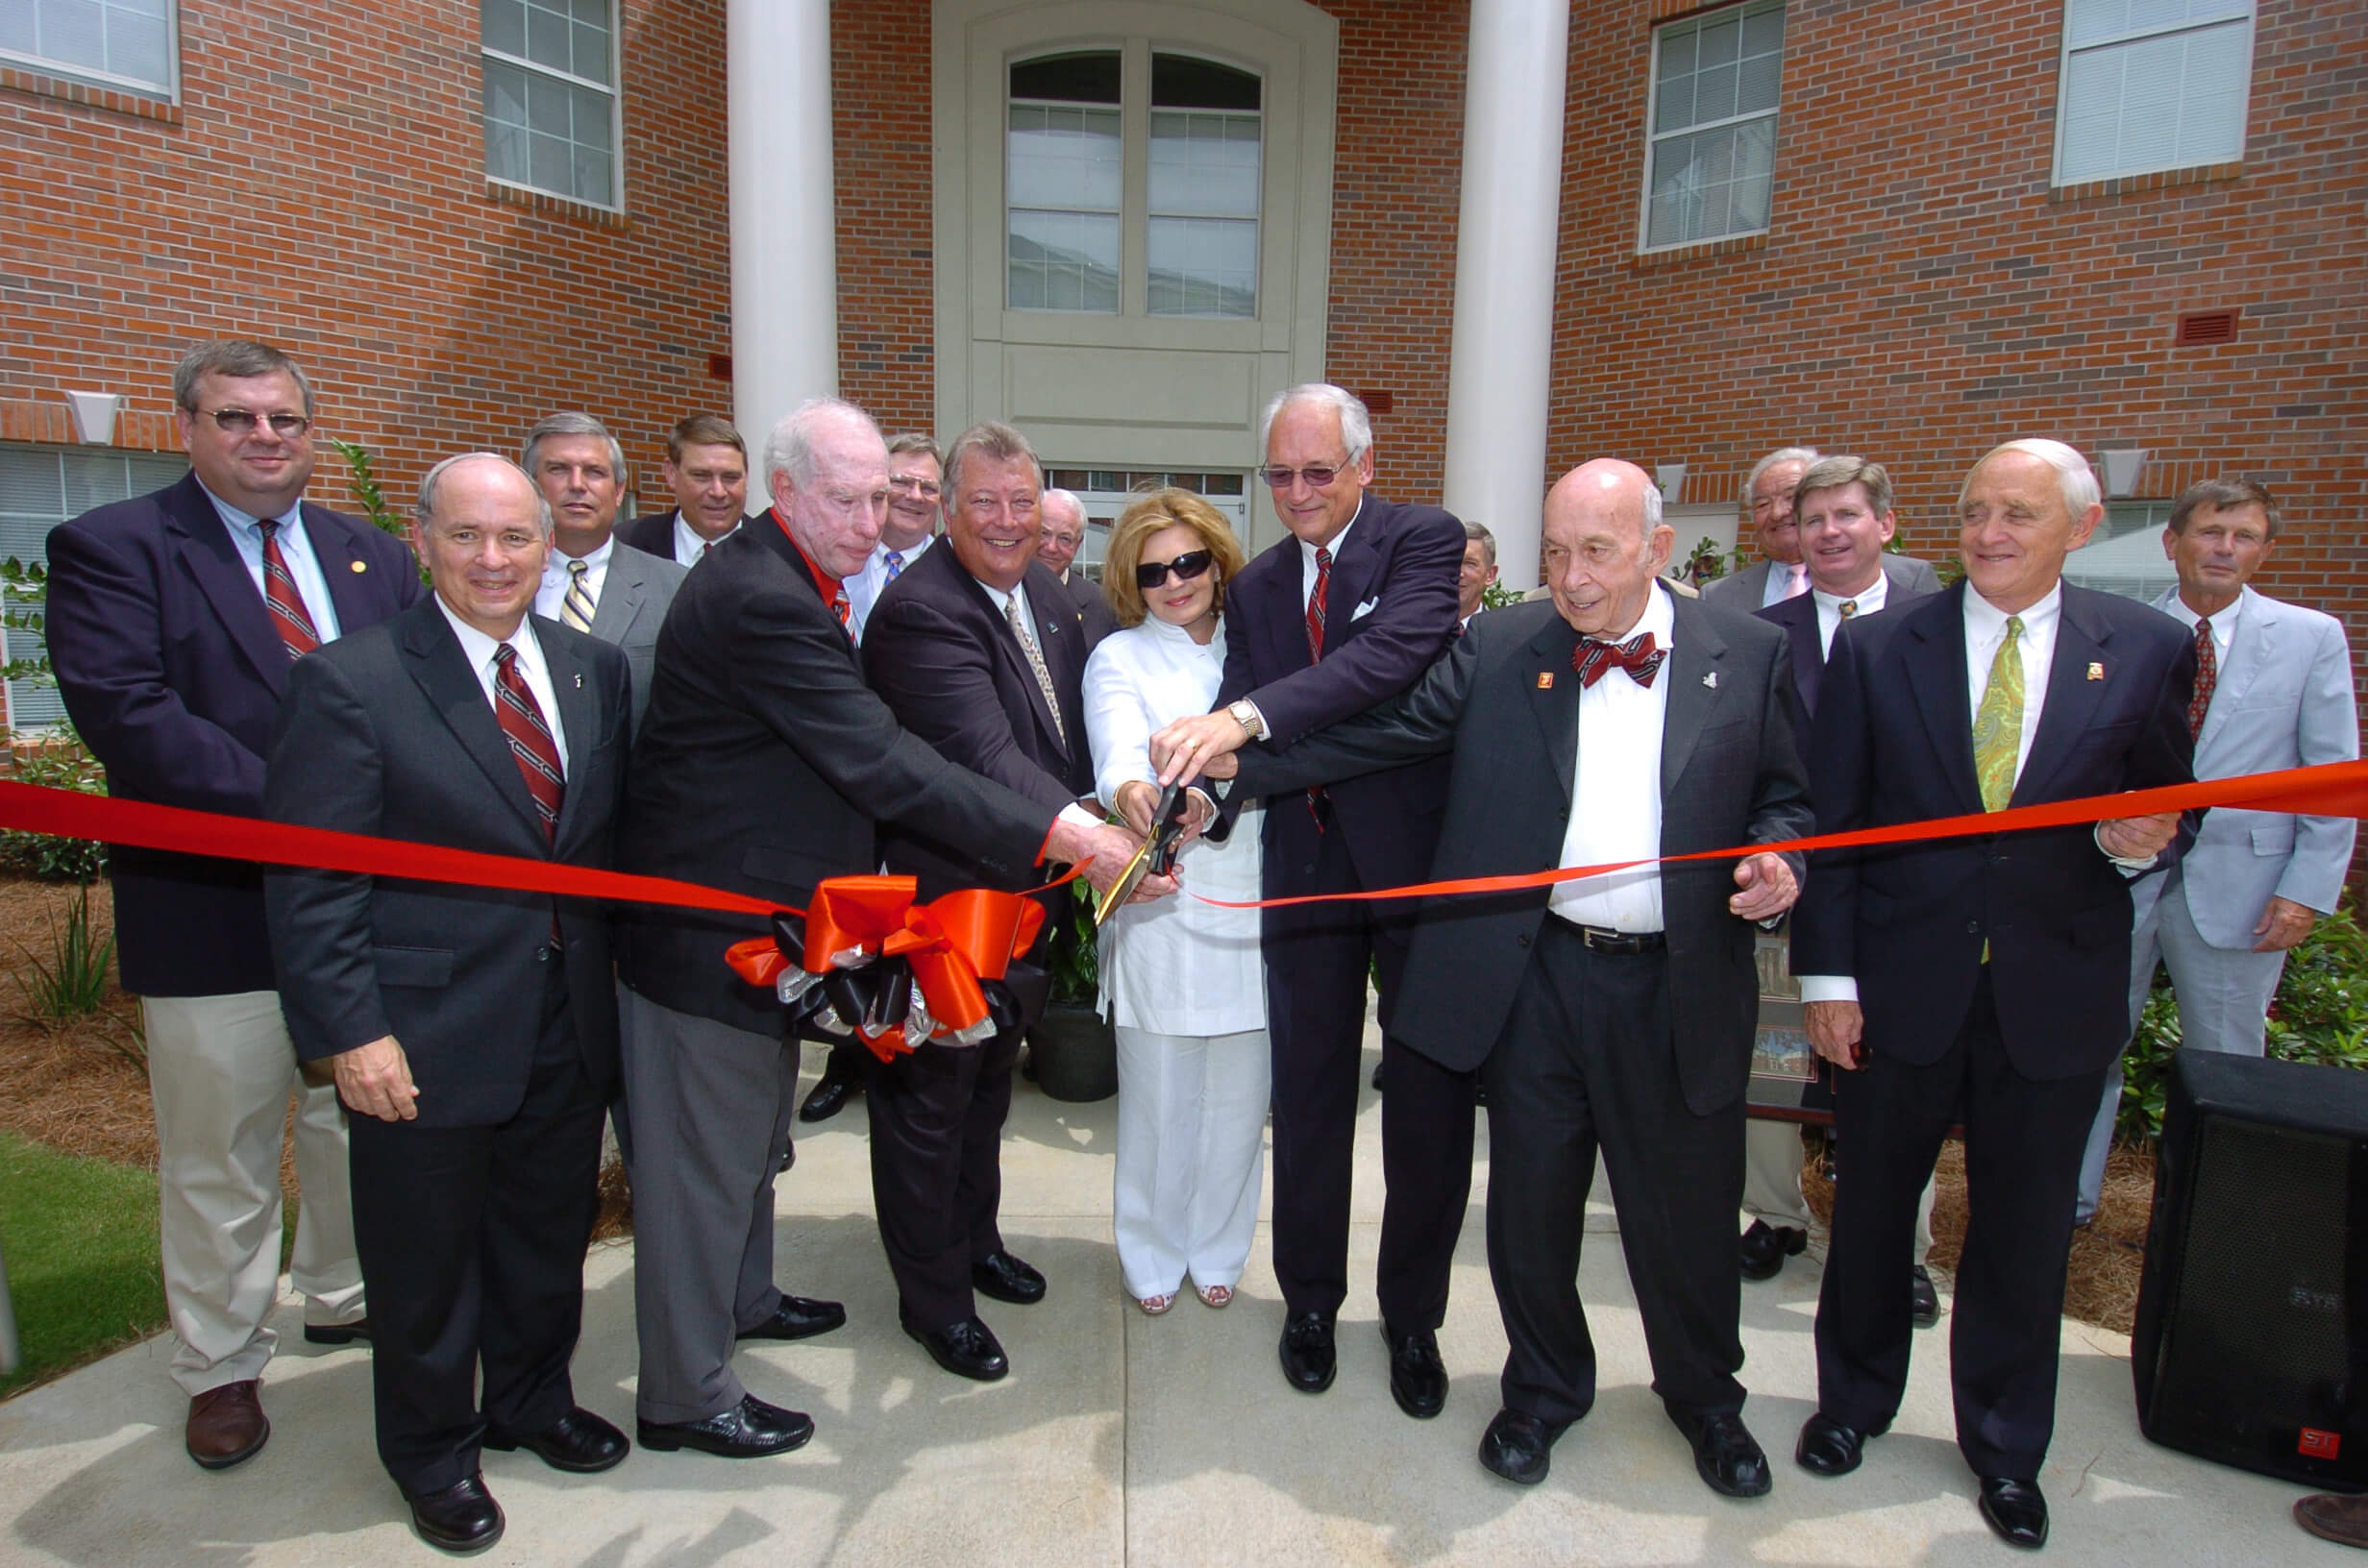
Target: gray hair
1487, 540
425, 511
237, 357
570, 424
1782, 454
1835, 473
1652, 507
2221, 496
1356, 423
790, 447
2074, 482
916, 441
992, 439
1062, 498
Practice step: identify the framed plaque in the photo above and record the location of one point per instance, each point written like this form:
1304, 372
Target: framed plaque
1783, 1067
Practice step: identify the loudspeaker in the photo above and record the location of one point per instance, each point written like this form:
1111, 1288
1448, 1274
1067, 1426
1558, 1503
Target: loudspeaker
2251, 1345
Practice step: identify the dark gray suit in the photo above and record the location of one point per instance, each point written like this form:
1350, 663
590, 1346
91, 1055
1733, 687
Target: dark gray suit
1648, 1053
471, 1220
1751, 582
631, 608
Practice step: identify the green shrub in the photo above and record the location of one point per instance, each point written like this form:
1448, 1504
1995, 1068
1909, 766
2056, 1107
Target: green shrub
63, 763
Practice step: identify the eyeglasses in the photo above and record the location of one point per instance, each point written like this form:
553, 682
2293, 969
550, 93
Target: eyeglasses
926, 489
1187, 568
242, 422
1318, 479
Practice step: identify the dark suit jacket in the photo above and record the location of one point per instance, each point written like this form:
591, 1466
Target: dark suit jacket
1798, 617
1730, 774
1403, 561
762, 765
654, 534
388, 731
171, 672
1100, 620
1742, 590
942, 656
1893, 743
632, 606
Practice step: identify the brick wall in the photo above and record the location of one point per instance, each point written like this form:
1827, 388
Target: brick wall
1924, 294
321, 185
880, 87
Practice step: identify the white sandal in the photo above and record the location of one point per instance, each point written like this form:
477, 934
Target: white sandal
1153, 1306
1215, 1295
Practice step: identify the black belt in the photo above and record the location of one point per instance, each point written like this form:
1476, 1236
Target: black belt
1597, 939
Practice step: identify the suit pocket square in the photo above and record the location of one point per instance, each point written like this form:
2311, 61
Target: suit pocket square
1363, 610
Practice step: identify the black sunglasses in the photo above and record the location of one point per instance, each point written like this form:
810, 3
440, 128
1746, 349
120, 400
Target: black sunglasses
1186, 567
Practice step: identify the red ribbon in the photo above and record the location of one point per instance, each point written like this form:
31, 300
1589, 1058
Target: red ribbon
954, 943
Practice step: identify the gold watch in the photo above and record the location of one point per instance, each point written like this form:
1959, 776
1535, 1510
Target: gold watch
1246, 714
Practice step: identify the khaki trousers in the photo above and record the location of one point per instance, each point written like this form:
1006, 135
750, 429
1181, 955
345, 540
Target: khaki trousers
220, 1071
1772, 1181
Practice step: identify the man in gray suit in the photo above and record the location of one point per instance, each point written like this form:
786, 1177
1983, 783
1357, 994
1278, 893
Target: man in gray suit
2273, 689
589, 584
1768, 499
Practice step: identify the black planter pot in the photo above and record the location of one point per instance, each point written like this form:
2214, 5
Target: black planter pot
1075, 1054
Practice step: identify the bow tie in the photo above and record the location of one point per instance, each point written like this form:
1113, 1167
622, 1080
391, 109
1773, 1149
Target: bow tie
1593, 656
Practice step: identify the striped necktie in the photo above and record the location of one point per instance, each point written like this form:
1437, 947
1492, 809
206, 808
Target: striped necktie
288, 617
576, 609
531, 745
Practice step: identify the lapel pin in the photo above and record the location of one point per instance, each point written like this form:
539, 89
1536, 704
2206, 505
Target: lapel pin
1711, 679
361, 566
1546, 680
580, 682
2096, 671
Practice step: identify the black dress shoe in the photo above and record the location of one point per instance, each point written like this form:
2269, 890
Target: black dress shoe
967, 1349
1765, 1247
1518, 1447
829, 1098
1005, 1278
462, 1518
1828, 1447
749, 1429
798, 1317
1923, 1301
1418, 1377
578, 1441
1726, 1456
337, 1334
1376, 1077
1306, 1350
2016, 1510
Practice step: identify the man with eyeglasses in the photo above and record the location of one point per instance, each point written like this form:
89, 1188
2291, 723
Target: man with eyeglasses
1342, 615
707, 468
1064, 517
173, 619
915, 482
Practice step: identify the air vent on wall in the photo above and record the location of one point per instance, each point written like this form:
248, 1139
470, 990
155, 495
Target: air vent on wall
2201, 328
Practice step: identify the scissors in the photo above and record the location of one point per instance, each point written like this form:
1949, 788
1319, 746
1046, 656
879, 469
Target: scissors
1157, 855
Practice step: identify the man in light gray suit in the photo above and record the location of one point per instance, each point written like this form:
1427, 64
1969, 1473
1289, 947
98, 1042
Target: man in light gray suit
1767, 499
2273, 689
589, 584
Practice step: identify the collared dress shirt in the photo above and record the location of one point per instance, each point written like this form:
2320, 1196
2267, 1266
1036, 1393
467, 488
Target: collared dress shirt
1616, 791
303, 567
531, 667
553, 591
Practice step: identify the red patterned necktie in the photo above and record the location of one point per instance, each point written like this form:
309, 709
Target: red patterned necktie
1593, 656
531, 745
288, 617
2206, 678
1314, 651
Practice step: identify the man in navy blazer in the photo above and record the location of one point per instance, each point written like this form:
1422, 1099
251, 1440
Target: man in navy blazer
1980, 980
1342, 615
171, 656
707, 468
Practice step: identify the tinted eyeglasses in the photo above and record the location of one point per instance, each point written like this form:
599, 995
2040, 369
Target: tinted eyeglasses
1187, 566
1318, 479
242, 422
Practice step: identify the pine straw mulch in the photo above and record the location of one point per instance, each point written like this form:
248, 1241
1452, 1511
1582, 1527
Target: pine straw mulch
2107, 1256
81, 1087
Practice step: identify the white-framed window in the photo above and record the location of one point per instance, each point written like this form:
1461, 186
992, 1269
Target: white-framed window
1709, 161
2151, 85
41, 487
552, 113
112, 43
1197, 137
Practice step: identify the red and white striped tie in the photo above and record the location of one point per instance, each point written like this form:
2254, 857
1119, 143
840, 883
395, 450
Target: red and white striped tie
288, 616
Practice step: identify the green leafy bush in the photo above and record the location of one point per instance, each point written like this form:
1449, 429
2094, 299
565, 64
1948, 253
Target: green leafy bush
62, 762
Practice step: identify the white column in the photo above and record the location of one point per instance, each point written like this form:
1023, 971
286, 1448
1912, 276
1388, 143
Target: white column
784, 247
1502, 350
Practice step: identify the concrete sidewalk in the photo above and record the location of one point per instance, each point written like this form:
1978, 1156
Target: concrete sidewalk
1116, 1438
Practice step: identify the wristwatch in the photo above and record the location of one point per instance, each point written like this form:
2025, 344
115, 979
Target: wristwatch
1246, 714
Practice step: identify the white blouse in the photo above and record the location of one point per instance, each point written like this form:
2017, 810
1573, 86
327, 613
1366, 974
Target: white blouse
1176, 966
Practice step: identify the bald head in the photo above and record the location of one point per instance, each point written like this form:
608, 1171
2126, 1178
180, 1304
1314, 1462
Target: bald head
484, 530
1604, 544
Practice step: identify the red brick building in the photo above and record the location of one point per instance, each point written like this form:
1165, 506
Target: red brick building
1909, 231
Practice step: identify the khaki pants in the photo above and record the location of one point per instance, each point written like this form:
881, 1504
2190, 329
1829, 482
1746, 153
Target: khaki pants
1772, 1181
220, 1070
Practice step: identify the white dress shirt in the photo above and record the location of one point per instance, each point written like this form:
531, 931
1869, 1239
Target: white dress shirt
1780, 584
1615, 787
2222, 626
863, 589
1829, 608
480, 649
690, 546
303, 567
1002, 599
555, 576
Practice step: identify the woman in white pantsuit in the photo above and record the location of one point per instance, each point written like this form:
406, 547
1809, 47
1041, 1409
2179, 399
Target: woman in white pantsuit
1181, 980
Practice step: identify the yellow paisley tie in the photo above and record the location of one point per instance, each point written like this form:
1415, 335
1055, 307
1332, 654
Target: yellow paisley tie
1998, 727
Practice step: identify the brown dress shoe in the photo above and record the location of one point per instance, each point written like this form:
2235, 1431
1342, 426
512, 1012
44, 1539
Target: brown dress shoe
227, 1425
2343, 1520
